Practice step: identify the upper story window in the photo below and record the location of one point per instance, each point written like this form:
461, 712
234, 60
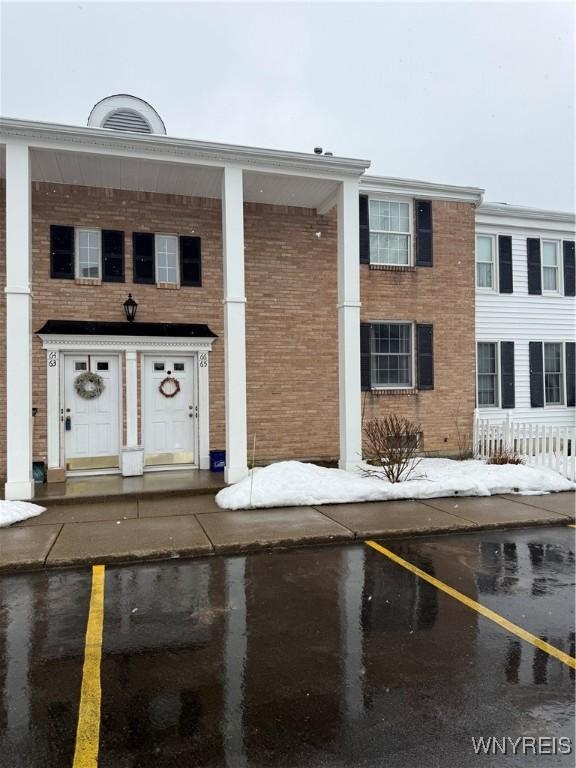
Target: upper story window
390, 232
167, 259
550, 266
485, 262
391, 357
88, 253
487, 374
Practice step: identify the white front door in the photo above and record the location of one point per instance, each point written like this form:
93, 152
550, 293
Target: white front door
91, 425
170, 410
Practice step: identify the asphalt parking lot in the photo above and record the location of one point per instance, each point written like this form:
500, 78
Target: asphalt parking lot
329, 656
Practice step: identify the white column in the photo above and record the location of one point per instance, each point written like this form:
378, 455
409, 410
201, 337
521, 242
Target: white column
349, 326
53, 407
234, 325
203, 411
20, 484
131, 398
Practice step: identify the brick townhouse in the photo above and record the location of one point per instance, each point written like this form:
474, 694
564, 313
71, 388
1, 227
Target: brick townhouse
167, 297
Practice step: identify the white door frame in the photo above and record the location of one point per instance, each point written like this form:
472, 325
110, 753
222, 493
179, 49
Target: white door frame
56, 345
62, 410
194, 359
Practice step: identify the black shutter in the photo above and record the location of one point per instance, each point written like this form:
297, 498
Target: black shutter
365, 375
536, 374
507, 389
505, 264
112, 256
425, 356
423, 233
364, 230
143, 257
62, 252
569, 269
190, 261
534, 270
570, 374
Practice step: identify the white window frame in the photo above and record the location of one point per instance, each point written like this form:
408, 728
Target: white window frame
559, 266
380, 387
498, 375
410, 234
158, 235
77, 232
494, 287
562, 344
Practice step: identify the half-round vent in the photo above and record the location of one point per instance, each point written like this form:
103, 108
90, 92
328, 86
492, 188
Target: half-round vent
127, 120
123, 112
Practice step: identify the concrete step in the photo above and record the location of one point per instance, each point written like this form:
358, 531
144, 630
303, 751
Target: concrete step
107, 488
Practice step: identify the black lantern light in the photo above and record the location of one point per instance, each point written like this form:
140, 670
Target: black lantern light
130, 307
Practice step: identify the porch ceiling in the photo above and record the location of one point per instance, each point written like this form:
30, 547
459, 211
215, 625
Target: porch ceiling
114, 172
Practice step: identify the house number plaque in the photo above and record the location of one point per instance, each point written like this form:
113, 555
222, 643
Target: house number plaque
52, 359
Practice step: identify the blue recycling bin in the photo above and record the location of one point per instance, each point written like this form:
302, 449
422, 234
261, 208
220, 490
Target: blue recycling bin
217, 461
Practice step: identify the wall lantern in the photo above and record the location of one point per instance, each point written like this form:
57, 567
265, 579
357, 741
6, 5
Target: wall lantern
130, 307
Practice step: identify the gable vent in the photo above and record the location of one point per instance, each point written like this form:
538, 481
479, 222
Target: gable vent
127, 120
124, 112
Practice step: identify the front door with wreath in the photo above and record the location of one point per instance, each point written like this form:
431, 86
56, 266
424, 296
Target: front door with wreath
169, 418
90, 416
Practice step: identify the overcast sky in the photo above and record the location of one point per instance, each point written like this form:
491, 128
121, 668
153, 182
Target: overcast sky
467, 93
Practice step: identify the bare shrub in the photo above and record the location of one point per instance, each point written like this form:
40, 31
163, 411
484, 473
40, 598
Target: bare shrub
392, 445
504, 455
463, 438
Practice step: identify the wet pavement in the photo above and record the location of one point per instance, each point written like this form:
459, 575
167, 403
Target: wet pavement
332, 656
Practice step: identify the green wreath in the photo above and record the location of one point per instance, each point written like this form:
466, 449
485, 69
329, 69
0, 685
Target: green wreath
89, 385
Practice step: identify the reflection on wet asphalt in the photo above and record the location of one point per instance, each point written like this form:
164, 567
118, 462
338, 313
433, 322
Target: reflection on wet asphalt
332, 656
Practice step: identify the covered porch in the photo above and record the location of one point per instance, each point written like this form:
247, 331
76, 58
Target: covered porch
233, 176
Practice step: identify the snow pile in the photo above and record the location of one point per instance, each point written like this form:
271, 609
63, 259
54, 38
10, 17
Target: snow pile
15, 511
292, 483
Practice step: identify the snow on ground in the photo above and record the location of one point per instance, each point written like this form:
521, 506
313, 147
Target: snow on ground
293, 483
15, 511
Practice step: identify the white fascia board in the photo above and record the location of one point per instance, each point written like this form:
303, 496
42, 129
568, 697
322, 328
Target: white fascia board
425, 189
520, 217
104, 140
84, 342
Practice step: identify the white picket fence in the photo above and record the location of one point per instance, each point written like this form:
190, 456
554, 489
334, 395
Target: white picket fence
540, 445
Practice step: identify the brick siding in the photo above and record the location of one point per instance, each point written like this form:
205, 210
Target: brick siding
2, 332
291, 341
444, 296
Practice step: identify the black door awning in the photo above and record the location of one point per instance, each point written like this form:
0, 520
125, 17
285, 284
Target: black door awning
105, 328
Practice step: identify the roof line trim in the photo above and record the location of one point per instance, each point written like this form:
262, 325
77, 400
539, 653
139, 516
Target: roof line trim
415, 187
504, 211
125, 142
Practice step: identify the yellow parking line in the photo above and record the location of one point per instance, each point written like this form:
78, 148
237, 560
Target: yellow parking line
486, 612
88, 730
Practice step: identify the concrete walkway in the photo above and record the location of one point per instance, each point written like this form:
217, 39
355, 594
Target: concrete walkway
154, 528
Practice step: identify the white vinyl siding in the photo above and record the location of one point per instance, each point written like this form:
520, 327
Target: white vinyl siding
390, 232
522, 318
167, 259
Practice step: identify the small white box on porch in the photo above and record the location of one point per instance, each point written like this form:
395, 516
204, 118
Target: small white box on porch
132, 462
